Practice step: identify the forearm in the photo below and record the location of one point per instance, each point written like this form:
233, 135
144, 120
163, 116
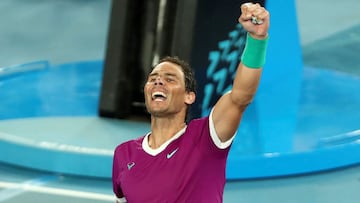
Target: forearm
249, 70
245, 85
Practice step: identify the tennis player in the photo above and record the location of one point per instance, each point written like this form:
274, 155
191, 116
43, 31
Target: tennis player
180, 161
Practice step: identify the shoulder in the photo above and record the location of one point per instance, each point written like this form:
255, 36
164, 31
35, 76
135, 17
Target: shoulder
206, 129
198, 127
125, 146
199, 122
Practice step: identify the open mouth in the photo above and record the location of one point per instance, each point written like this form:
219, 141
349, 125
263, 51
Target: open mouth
158, 96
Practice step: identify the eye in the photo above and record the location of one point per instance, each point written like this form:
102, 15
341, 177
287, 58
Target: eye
151, 79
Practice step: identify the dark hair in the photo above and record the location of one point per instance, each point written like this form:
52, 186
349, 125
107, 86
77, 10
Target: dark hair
189, 76
190, 81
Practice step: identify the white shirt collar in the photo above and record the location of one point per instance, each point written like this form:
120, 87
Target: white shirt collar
154, 152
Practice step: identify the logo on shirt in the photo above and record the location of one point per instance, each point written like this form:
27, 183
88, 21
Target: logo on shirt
130, 165
171, 154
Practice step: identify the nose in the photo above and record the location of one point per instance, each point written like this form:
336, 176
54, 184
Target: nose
158, 81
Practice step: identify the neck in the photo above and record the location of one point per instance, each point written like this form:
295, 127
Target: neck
163, 129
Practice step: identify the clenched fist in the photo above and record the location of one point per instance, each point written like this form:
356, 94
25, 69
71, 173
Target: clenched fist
255, 19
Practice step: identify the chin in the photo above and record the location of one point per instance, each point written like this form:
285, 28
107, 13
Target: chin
156, 112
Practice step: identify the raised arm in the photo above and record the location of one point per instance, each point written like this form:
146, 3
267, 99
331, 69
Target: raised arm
229, 109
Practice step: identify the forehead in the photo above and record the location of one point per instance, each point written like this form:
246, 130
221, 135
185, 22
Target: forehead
167, 68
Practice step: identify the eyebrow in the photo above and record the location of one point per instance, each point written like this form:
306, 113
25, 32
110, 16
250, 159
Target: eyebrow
166, 74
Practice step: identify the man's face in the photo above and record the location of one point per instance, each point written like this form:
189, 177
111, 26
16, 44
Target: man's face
165, 90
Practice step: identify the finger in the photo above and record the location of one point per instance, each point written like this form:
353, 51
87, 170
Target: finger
258, 11
246, 10
258, 15
244, 7
263, 15
250, 7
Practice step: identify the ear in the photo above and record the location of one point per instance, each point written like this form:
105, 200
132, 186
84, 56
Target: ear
190, 98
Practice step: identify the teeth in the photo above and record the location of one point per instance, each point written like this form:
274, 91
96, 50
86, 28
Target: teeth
156, 94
